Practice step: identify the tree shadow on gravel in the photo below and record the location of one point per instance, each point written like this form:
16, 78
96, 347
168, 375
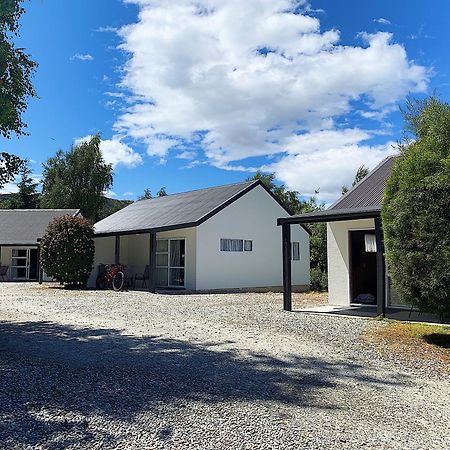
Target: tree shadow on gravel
54, 378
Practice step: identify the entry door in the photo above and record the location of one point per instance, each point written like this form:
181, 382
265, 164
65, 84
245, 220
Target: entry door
363, 267
24, 264
170, 262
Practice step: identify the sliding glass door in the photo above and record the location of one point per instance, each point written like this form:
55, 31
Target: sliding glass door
24, 264
170, 262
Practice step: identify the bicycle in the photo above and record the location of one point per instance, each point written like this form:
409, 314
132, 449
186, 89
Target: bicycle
111, 276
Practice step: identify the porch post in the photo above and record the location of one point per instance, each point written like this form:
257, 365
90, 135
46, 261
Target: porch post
152, 263
287, 284
381, 268
117, 249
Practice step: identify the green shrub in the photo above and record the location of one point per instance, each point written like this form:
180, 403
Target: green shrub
319, 280
416, 211
67, 250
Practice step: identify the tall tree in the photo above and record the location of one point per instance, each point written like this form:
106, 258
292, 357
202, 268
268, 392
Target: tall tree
416, 209
162, 192
27, 197
361, 173
77, 179
10, 166
146, 195
16, 70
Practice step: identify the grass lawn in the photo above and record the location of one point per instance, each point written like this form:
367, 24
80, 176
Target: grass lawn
413, 342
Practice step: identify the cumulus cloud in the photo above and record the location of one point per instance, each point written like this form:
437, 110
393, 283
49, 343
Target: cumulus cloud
116, 152
82, 57
259, 78
9, 188
383, 21
327, 160
110, 194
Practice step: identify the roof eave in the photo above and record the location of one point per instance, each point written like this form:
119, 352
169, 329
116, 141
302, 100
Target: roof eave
335, 216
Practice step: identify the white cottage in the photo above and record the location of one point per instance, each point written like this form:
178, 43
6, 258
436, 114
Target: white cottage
357, 272
20, 231
219, 238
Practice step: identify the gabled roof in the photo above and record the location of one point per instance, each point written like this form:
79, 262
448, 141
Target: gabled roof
368, 193
187, 209
362, 201
26, 226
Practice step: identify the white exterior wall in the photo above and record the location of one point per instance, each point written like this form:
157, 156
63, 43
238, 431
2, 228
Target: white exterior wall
6, 259
104, 254
253, 217
134, 253
190, 237
338, 258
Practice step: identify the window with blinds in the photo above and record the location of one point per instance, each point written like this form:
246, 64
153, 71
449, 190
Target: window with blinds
236, 245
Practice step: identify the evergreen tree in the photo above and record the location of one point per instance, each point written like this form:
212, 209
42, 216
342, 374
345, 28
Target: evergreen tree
416, 209
27, 197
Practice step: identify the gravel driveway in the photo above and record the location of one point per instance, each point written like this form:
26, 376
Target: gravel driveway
225, 371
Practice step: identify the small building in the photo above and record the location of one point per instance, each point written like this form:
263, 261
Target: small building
20, 231
219, 238
357, 271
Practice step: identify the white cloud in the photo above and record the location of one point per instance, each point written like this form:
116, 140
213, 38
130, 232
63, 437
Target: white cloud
187, 154
383, 21
9, 188
334, 155
128, 194
107, 29
116, 152
82, 57
110, 194
244, 79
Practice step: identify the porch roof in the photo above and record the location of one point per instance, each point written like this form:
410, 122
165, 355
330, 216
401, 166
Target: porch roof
330, 215
362, 201
26, 226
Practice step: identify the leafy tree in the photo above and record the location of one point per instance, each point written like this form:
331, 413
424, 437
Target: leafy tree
77, 179
416, 209
146, 195
27, 197
162, 192
361, 173
67, 250
10, 166
318, 240
16, 70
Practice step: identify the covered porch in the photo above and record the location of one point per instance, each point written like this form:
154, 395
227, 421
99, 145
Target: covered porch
357, 267
152, 260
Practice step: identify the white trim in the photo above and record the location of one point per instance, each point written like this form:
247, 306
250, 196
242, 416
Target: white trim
169, 266
27, 259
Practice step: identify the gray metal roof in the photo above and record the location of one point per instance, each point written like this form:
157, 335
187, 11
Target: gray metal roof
362, 201
368, 193
26, 226
172, 211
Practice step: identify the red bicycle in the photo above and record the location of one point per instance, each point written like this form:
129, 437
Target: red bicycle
110, 276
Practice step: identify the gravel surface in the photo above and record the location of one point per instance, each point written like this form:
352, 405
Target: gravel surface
105, 370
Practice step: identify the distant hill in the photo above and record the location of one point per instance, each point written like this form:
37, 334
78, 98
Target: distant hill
113, 205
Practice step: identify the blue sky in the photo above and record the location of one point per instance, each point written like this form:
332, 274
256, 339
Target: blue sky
190, 97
